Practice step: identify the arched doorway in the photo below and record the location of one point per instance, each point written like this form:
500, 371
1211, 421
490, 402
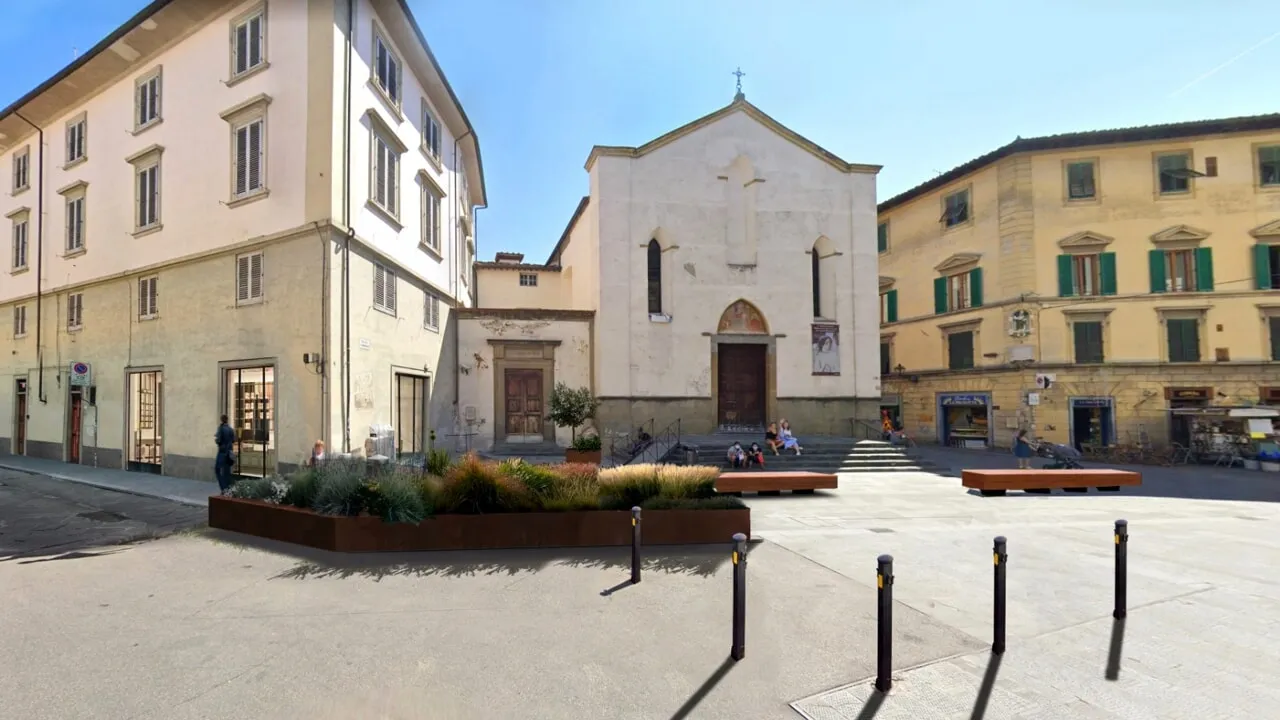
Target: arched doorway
742, 360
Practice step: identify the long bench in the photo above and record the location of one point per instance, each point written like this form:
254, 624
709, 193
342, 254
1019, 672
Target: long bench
767, 482
997, 482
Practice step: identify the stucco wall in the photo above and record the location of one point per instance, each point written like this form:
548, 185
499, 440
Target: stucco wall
501, 288
675, 194
477, 378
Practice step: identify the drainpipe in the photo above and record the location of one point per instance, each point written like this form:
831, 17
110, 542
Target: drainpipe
346, 226
322, 367
39, 259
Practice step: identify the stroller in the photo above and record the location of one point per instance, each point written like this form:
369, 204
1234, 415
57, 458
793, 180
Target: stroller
1064, 457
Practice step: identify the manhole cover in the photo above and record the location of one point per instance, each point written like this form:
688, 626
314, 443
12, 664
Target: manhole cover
103, 516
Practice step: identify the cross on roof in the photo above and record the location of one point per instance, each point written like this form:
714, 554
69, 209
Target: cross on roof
738, 74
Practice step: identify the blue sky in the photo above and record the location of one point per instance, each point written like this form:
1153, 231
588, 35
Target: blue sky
918, 86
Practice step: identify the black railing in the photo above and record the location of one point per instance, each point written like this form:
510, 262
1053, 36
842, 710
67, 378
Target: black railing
625, 446
867, 429
660, 449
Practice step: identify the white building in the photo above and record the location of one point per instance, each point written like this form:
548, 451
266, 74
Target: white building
262, 209
724, 274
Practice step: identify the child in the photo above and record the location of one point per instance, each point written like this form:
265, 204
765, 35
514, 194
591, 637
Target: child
755, 455
737, 458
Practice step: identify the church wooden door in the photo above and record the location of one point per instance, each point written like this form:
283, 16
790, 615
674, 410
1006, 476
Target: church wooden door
524, 405
741, 384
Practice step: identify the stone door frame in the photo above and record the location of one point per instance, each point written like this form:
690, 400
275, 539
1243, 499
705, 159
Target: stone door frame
522, 355
770, 344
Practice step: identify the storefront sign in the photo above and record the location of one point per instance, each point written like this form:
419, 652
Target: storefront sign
1091, 402
964, 400
1188, 393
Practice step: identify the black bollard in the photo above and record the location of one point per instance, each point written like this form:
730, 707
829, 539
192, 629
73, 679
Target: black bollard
1122, 569
1000, 556
635, 545
884, 624
739, 650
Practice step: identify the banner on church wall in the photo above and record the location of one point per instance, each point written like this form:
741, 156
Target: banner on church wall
826, 349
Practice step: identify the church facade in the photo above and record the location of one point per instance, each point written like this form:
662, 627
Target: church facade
724, 275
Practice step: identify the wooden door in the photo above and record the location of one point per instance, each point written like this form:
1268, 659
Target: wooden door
741, 384
74, 423
20, 419
524, 403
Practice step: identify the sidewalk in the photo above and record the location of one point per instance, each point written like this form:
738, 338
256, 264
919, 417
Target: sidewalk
179, 490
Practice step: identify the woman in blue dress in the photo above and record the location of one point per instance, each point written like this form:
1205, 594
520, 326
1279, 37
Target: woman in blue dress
1022, 450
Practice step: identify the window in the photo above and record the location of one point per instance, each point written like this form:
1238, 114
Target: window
147, 100
1269, 166
886, 357
431, 311
384, 289
1087, 274
249, 157
816, 269
385, 192
1184, 339
1088, 341
77, 140
249, 402
148, 298
653, 264
148, 215
1175, 173
528, 280
19, 320
75, 311
889, 306
386, 70
960, 350
958, 292
1182, 270
20, 244
1273, 324
249, 278
430, 131
248, 44
411, 415
22, 170
430, 217
75, 223
955, 209
882, 237
1080, 180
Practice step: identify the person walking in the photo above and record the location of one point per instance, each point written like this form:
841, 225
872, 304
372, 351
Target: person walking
225, 439
1022, 450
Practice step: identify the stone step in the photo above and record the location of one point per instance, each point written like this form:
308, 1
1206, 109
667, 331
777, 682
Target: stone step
893, 469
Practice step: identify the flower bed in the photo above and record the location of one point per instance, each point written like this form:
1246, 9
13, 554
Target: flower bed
473, 504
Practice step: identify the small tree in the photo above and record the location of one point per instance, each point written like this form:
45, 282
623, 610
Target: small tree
571, 408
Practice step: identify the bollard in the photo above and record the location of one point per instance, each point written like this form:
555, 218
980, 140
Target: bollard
635, 545
739, 650
1122, 569
884, 623
1000, 557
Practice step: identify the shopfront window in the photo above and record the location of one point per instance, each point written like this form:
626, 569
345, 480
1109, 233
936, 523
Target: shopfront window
249, 404
411, 414
145, 414
965, 420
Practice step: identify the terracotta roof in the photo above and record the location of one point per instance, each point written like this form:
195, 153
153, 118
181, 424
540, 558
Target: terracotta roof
1067, 141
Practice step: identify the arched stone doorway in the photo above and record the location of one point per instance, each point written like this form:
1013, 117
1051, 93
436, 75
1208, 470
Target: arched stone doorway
743, 368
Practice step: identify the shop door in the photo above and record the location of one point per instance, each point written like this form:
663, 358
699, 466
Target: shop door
250, 408
20, 418
75, 421
145, 398
741, 384
411, 414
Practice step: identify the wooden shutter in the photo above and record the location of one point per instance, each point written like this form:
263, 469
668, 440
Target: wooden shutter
882, 237
1204, 269
1107, 272
1066, 276
381, 151
379, 286
1262, 267
390, 290
1155, 262
256, 41
1184, 340
242, 159
1088, 342
242, 278
153, 297
393, 181
255, 275
254, 172
939, 295
142, 198
891, 306
1274, 323
975, 287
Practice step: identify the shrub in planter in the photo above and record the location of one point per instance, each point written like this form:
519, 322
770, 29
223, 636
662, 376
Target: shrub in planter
720, 502
437, 462
262, 489
576, 487
340, 489
571, 408
473, 487
301, 492
688, 481
400, 499
624, 487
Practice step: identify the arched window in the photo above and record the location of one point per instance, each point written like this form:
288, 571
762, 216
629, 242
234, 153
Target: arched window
817, 283
655, 277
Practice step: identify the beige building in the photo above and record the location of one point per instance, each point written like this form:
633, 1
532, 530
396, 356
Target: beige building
722, 275
1082, 285
261, 209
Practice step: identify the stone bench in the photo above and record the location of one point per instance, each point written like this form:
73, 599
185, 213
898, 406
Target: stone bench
765, 482
997, 482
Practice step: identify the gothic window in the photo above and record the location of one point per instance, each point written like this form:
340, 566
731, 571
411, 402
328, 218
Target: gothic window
817, 283
655, 277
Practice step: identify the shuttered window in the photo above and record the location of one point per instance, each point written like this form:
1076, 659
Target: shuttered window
960, 350
1088, 341
248, 44
1184, 340
384, 289
430, 131
431, 311
148, 297
147, 100
386, 69
249, 157
886, 358
75, 311
19, 320
20, 245
76, 141
75, 223
148, 196
385, 190
249, 278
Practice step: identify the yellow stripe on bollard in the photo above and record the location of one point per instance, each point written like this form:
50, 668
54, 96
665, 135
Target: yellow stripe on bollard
879, 581
633, 522
995, 557
1117, 539
735, 557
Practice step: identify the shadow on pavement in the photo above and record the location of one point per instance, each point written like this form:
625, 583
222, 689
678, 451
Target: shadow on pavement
988, 685
701, 693
872, 706
700, 561
73, 555
1117, 646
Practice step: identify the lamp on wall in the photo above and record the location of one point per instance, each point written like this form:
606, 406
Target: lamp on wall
898, 369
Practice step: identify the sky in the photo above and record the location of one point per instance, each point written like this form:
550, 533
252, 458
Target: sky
918, 86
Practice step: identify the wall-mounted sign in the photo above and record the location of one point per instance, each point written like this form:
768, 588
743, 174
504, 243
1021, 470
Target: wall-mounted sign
964, 400
1033, 398
81, 374
1093, 402
1188, 393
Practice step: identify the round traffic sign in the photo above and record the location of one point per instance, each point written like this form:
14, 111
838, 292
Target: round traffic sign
80, 368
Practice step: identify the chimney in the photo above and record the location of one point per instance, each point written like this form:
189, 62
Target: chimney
509, 258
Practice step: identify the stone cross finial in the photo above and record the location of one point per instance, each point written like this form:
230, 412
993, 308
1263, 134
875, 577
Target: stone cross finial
738, 74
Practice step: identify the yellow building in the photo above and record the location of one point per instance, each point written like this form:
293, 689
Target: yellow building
1082, 285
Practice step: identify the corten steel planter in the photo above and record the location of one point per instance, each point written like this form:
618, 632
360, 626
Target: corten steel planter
586, 528
589, 457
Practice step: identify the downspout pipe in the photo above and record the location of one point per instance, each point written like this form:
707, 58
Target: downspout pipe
345, 330
39, 258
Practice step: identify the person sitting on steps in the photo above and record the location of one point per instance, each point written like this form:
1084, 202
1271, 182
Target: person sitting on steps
736, 456
789, 441
755, 455
771, 438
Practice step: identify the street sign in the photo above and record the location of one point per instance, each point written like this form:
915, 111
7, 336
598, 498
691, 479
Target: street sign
1033, 399
1044, 381
81, 374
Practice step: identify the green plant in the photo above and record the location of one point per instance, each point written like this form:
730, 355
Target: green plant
624, 487
262, 489
429, 488
537, 479
438, 462
301, 492
400, 498
340, 488
473, 487
720, 502
587, 443
571, 407
688, 481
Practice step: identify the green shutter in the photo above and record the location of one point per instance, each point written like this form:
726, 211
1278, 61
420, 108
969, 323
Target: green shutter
1066, 277
1155, 259
891, 306
1262, 267
1204, 269
940, 295
1107, 272
975, 287
882, 237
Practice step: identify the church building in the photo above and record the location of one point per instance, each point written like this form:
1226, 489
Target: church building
724, 275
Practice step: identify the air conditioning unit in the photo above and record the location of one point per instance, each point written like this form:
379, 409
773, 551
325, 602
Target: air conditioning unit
1022, 353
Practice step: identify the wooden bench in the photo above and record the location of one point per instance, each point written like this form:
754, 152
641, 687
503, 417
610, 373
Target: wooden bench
766, 482
996, 482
